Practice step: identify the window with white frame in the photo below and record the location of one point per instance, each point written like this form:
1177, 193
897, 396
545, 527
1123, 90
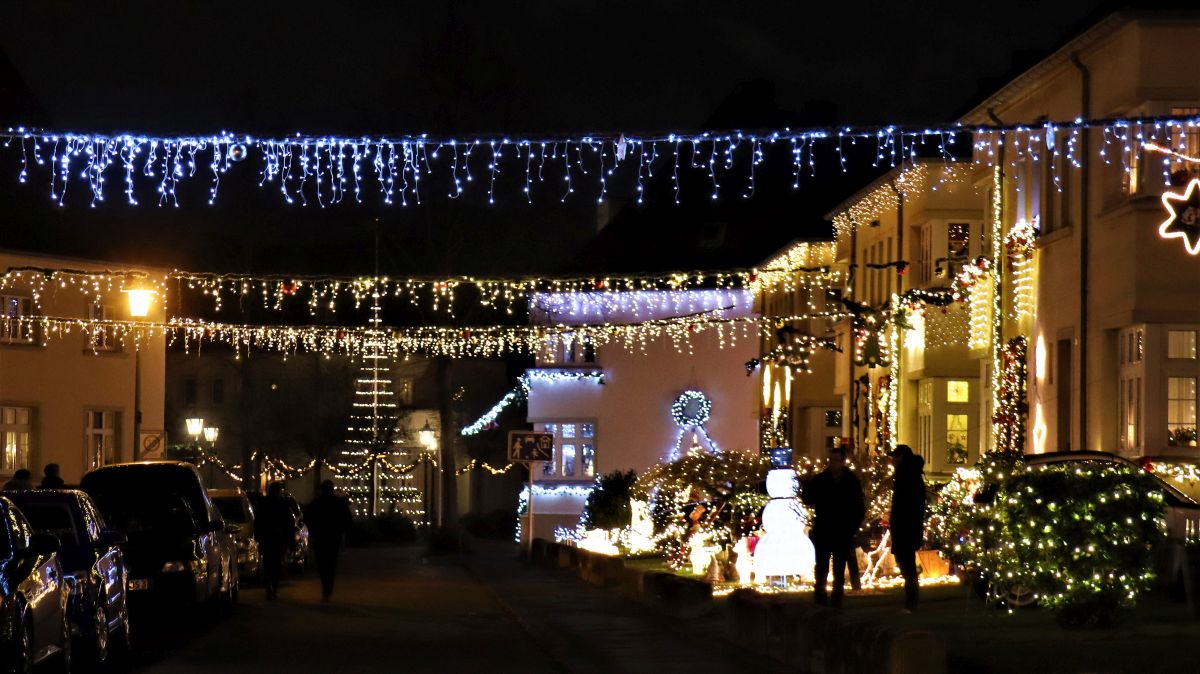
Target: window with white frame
958, 241
958, 391
1181, 410
1181, 344
12, 329
574, 450
1185, 142
100, 437
16, 431
956, 438
102, 338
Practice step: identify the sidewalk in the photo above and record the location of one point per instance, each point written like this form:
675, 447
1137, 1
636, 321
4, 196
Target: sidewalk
587, 629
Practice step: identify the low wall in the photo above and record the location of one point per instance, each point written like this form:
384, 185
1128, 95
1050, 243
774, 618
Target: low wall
675, 595
818, 639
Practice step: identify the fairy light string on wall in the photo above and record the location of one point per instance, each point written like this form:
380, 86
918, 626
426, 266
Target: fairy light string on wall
325, 170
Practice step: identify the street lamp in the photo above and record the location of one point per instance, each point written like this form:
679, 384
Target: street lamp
140, 300
210, 436
426, 436
195, 427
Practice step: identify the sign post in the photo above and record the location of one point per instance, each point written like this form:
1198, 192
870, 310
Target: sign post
529, 448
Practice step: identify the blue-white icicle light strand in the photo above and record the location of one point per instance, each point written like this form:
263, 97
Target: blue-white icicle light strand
326, 170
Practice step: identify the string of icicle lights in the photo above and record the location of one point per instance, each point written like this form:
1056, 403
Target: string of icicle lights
454, 342
328, 293
322, 170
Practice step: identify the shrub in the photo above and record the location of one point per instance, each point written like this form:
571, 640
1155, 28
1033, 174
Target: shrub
1082, 536
607, 505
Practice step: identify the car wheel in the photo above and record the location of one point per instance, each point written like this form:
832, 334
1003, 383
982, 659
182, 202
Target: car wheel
64, 660
20, 652
99, 646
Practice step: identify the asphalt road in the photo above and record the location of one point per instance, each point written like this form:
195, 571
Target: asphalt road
398, 610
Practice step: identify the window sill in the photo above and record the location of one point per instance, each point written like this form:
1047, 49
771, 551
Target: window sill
107, 353
21, 345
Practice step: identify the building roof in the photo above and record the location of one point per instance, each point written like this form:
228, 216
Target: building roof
1112, 17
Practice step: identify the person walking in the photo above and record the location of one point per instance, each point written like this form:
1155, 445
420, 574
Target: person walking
50, 478
907, 520
836, 497
328, 518
274, 528
21, 480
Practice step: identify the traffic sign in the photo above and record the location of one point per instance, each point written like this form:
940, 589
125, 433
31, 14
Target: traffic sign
529, 446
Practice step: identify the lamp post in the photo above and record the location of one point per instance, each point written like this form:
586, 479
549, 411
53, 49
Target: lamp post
140, 300
428, 440
210, 435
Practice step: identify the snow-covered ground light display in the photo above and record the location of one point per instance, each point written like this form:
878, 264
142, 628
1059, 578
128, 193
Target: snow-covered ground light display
784, 549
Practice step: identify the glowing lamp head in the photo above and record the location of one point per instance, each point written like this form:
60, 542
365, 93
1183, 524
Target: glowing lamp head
211, 433
426, 436
140, 301
195, 426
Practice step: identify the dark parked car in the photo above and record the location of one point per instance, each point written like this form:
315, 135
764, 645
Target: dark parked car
91, 559
178, 548
34, 623
239, 520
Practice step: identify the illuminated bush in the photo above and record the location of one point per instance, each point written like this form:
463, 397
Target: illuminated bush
1081, 536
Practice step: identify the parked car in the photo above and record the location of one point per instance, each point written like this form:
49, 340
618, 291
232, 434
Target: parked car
1182, 518
178, 548
238, 513
297, 557
92, 563
34, 623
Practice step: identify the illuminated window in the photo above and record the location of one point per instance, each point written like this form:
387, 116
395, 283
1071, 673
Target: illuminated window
100, 437
13, 307
1186, 142
958, 391
16, 428
956, 438
1181, 344
833, 418
574, 449
1181, 410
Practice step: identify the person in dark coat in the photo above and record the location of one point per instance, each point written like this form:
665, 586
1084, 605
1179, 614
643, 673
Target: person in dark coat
328, 518
22, 479
836, 498
907, 520
275, 529
50, 478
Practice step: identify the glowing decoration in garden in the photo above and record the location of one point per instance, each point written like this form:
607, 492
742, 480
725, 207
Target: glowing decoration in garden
784, 549
690, 411
1020, 243
1183, 216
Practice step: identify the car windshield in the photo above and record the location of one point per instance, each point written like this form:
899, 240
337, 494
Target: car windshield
232, 508
54, 518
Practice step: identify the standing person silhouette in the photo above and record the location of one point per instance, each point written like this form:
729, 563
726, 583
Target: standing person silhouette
50, 478
328, 518
907, 519
836, 497
274, 527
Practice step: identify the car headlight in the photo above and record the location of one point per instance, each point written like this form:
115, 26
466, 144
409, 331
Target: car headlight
176, 567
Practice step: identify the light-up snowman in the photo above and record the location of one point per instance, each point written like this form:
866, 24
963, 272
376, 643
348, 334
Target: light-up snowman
784, 549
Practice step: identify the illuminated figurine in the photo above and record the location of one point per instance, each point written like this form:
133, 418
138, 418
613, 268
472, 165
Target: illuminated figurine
784, 549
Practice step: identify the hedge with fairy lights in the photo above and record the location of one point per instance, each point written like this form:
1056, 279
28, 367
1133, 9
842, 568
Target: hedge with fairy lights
1081, 535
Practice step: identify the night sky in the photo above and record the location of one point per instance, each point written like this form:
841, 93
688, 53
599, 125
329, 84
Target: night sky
487, 68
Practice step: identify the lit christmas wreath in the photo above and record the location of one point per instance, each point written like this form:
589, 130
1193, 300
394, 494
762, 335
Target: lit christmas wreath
690, 409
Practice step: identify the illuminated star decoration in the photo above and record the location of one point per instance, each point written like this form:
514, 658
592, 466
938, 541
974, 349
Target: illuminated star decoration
1184, 224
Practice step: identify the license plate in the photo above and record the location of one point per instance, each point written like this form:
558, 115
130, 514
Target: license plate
139, 583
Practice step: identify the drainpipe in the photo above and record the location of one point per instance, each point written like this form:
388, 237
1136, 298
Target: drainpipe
851, 387
1085, 111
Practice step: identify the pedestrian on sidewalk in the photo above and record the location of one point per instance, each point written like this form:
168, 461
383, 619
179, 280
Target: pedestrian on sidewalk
21, 480
50, 478
907, 519
328, 518
836, 497
274, 528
